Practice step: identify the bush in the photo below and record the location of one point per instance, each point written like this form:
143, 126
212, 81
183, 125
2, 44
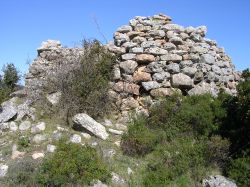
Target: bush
236, 124
239, 170
180, 134
23, 142
84, 84
139, 140
72, 164
11, 76
192, 115
218, 150
175, 160
8, 82
4, 94
22, 173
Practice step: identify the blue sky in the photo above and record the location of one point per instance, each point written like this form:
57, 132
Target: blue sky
25, 24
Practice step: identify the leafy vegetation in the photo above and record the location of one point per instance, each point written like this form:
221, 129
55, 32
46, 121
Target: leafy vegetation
72, 164
8, 81
22, 173
23, 142
199, 135
84, 86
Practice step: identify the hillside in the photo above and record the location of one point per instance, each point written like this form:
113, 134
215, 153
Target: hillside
161, 105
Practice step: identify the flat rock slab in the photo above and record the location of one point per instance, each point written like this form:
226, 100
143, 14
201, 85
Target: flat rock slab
8, 111
86, 122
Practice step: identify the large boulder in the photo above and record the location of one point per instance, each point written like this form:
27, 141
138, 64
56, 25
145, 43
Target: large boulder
85, 122
8, 111
218, 181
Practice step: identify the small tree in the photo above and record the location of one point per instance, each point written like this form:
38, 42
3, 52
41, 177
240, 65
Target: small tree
11, 76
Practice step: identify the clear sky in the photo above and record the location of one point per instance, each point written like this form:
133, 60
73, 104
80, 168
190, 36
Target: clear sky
25, 24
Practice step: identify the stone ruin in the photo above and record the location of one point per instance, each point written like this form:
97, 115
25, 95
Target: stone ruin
156, 58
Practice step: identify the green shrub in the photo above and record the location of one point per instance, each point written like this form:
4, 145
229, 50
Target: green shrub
84, 84
72, 164
218, 150
8, 82
23, 142
239, 170
139, 140
175, 160
192, 115
235, 125
11, 76
4, 94
22, 173
180, 134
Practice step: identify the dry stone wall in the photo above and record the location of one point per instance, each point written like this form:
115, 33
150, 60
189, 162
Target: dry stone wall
156, 58
51, 56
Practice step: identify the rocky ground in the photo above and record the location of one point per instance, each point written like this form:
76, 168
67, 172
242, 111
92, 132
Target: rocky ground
25, 132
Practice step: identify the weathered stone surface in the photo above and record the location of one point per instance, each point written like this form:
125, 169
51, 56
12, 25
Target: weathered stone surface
173, 68
3, 170
116, 179
51, 148
127, 88
208, 59
108, 153
25, 125
99, 183
4, 126
54, 98
156, 51
39, 138
128, 56
84, 121
115, 49
49, 45
139, 39
124, 29
145, 58
13, 126
148, 44
161, 92
121, 38
25, 111
8, 111
176, 40
136, 50
141, 76
128, 66
169, 46
75, 138
38, 155
129, 103
217, 181
173, 27
190, 71
85, 135
157, 33
116, 132
200, 89
171, 57
181, 80
161, 76
39, 127
150, 85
